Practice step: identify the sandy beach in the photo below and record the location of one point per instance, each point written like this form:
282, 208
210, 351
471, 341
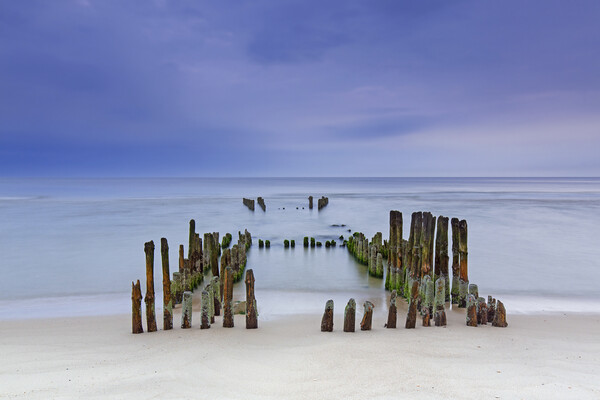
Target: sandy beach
536, 357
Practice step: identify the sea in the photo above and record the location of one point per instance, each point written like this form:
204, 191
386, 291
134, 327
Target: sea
72, 246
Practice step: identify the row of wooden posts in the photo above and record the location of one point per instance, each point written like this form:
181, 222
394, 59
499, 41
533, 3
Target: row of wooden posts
478, 312
250, 203
190, 275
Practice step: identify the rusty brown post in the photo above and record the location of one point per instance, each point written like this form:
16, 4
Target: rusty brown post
136, 308
149, 300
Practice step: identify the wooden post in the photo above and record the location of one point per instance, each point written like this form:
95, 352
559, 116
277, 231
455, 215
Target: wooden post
150, 313
500, 315
427, 244
181, 258
251, 312
310, 203
491, 308
327, 320
186, 310
482, 311
429, 287
216, 285
439, 316
261, 203
136, 308
192, 239
411, 316
416, 257
474, 290
367, 320
471, 310
463, 283
393, 311
441, 253
167, 301
350, 316
205, 324
228, 296
455, 260
379, 266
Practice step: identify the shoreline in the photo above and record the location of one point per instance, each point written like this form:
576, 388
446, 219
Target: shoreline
550, 356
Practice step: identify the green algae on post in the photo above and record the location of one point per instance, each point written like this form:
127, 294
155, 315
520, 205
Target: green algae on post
455, 261
305, 241
205, 307
293, 243
186, 310
286, 243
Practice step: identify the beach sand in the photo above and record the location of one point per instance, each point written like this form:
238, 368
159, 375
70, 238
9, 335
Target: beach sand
536, 357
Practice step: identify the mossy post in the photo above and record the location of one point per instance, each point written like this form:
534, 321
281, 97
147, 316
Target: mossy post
474, 290
441, 254
136, 308
305, 241
350, 316
471, 310
327, 320
439, 316
491, 305
482, 311
411, 316
367, 320
392, 312
310, 202
228, 297
312, 242
150, 314
167, 301
415, 272
395, 256
205, 307
186, 310
372, 261
181, 258
427, 244
293, 243
251, 312
500, 316
455, 260
379, 266
463, 283
429, 294
286, 243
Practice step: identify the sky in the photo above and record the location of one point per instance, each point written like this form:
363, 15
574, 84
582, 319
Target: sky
299, 88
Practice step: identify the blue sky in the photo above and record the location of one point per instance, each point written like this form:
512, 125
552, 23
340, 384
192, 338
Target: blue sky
299, 88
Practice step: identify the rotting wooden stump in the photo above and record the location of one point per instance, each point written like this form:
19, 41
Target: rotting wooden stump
227, 298
327, 320
367, 320
426, 316
392, 312
136, 308
149, 300
216, 285
251, 311
439, 314
181, 258
471, 311
167, 301
500, 315
411, 316
350, 316
474, 290
248, 203
491, 304
205, 319
186, 310
482, 311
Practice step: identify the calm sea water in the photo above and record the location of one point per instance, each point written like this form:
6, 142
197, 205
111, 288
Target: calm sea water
73, 246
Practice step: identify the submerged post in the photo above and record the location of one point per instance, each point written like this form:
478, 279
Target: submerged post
228, 297
251, 313
150, 314
350, 316
167, 301
310, 202
136, 308
327, 320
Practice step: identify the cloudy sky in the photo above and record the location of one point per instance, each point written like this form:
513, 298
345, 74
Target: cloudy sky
299, 88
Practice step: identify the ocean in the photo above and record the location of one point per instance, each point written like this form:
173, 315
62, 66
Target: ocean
71, 247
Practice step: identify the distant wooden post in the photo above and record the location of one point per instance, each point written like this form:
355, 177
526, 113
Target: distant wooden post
186, 310
463, 284
482, 311
455, 260
327, 320
310, 203
251, 312
192, 239
136, 308
228, 297
393, 311
167, 301
367, 320
350, 316
149, 300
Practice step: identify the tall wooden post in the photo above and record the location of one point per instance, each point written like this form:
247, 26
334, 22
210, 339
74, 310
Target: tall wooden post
192, 239
411, 316
228, 297
167, 301
463, 283
455, 260
251, 313
441, 248
136, 308
186, 310
181, 259
149, 300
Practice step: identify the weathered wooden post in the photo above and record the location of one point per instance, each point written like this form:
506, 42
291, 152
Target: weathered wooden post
500, 315
393, 311
411, 317
205, 307
261, 203
455, 260
441, 253
350, 316
463, 283
429, 287
310, 202
181, 258
471, 311
474, 290
251, 312
439, 316
367, 320
482, 311
216, 285
327, 320
379, 266
136, 308
186, 310
150, 313
491, 308
228, 297
167, 301
427, 244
